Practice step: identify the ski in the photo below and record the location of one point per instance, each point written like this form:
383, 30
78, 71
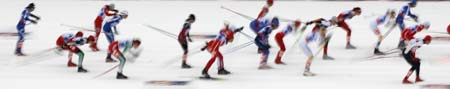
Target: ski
168, 82
210, 78
107, 71
11, 33
443, 38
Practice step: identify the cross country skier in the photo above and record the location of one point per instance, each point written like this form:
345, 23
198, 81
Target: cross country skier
118, 49
110, 25
341, 23
21, 27
385, 19
319, 34
323, 24
62, 42
409, 32
259, 24
279, 39
225, 36
107, 10
184, 37
262, 41
71, 42
406, 10
409, 53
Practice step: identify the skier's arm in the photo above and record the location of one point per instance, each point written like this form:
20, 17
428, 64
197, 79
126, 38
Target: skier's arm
108, 13
189, 37
263, 12
34, 16
319, 20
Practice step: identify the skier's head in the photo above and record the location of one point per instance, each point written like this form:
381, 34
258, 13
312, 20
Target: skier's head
333, 20
191, 18
391, 13
269, 2
425, 25
124, 14
275, 23
357, 10
297, 24
79, 34
427, 39
136, 42
413, 3
91, 39
30, 7
111, 6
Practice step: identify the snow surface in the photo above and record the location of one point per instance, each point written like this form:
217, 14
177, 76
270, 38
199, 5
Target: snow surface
160, 59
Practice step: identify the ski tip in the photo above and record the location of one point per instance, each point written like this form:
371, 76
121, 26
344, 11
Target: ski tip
168, 82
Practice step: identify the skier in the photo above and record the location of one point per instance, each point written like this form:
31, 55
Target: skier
258, 24
71, 42
409, 53
262, 41
409, 32
107, 10
341, 23
183, 39
406, 10
386, 19
21, 27
118, 49
225, 36
110, 25
279, 39
319, 34
319, 25
61, 44
265, 9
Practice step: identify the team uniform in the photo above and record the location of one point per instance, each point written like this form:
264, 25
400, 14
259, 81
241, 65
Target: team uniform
406, 10
409, 53
225, 35
184, 37
346, 15
386, 19
262, 41
104, 12
409, 32
279, 39
109, 26
320, 24
71, 42
118, 49
318, 34
24, 18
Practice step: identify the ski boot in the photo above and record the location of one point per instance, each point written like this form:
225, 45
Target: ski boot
350, 46
185, 66
71, 64
418, 79
308, 73
378, 52
121, 76
205, 74
82, 70
264, 66
222, 71
19, 53
110, 60
326, 57
280, 63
